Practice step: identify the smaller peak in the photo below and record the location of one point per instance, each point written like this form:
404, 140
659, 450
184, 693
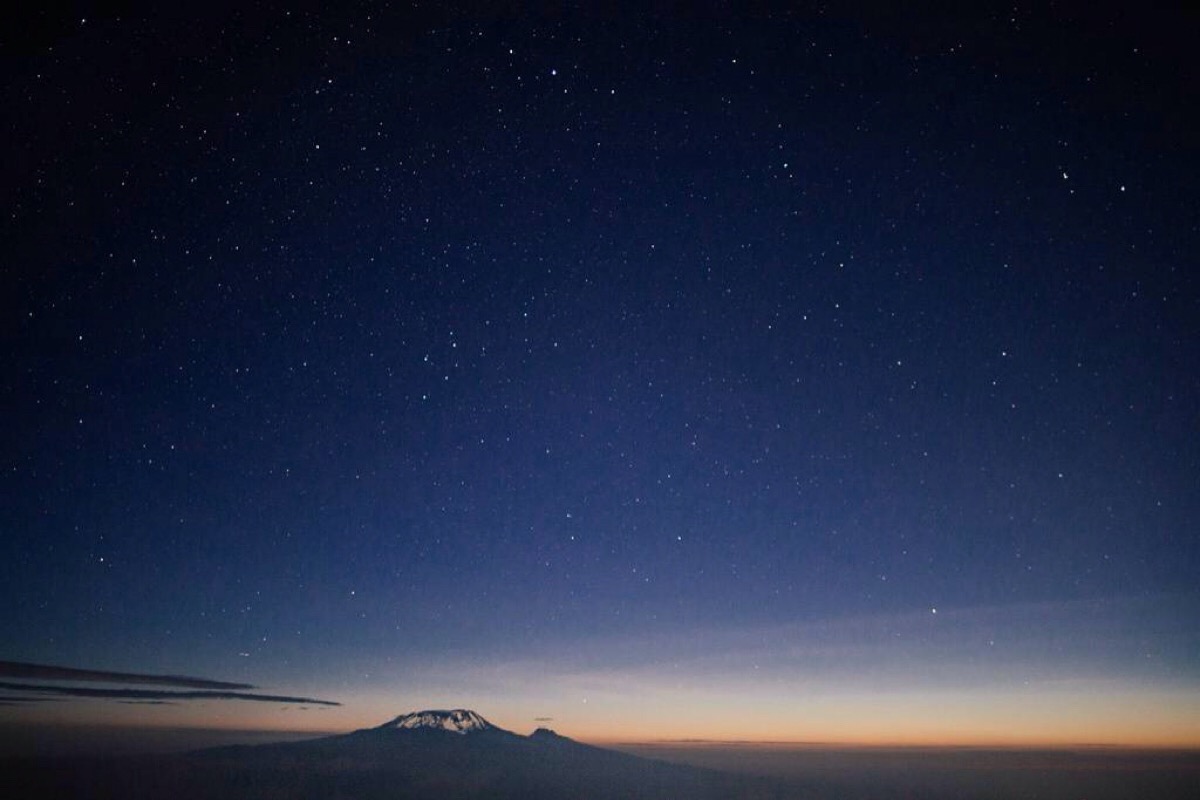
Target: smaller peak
456, 720
545, 734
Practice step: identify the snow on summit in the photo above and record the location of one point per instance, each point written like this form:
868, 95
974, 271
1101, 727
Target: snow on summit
458, 720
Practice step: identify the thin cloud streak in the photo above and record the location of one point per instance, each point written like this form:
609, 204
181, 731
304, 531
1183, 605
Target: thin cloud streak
49, 672
12, 700
156, 694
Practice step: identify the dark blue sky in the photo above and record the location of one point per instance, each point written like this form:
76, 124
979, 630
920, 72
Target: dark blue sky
342, 344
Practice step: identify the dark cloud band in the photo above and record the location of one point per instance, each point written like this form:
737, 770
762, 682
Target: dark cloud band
156, 694
47, 672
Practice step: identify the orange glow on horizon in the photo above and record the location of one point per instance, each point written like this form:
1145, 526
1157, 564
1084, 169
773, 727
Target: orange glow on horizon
862, 736
1003, 719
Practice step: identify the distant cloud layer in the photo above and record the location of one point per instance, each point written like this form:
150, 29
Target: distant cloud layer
191, 688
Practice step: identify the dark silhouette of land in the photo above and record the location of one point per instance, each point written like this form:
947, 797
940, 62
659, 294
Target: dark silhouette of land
963, 773
391, 762
458, 755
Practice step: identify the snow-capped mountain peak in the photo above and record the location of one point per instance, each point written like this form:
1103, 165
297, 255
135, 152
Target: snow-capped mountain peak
458, 720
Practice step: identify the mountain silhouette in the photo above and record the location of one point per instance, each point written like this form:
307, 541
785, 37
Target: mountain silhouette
447, 755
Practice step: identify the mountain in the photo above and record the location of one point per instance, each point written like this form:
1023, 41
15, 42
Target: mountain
443, 754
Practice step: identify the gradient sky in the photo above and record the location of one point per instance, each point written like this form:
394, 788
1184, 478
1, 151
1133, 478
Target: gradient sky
795, 374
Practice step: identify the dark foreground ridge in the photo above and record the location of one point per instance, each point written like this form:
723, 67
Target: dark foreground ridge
448, 755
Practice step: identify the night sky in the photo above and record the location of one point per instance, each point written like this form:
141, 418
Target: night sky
798, 374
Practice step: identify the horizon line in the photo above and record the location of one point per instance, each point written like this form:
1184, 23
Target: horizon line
835, 744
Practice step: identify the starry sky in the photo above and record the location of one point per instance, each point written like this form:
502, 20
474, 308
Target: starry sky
795, 373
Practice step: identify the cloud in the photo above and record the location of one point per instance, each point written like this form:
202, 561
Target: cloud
183, 687
46, 672
12, 700
543, 719
157, 694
